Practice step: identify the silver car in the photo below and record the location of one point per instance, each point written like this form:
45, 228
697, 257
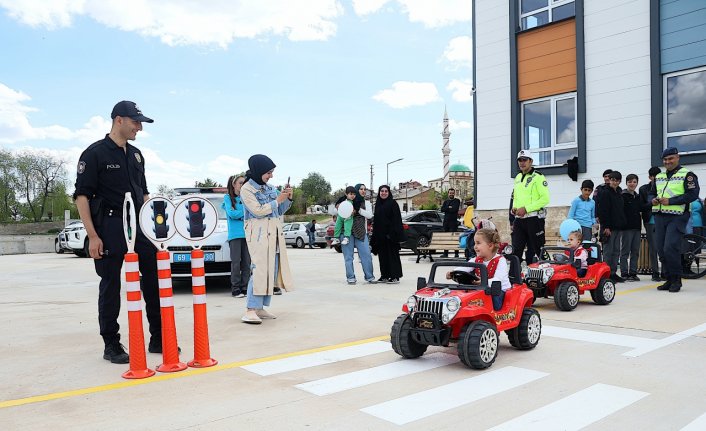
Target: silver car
295, 234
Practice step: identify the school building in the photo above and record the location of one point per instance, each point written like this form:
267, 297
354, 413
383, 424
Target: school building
610, 83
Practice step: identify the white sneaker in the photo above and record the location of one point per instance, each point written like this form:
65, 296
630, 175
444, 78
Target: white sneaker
335, 242
344, 241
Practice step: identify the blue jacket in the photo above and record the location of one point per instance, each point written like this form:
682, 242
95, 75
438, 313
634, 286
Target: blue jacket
235, 217
696, 213
583, 211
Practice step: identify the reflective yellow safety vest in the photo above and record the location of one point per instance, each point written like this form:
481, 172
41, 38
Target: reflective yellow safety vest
531, 192
669, 188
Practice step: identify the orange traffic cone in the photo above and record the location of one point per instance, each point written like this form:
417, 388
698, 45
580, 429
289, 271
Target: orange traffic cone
170, 347
138, 361
202, 352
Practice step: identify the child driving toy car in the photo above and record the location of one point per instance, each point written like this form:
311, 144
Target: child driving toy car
487, 242
580, 252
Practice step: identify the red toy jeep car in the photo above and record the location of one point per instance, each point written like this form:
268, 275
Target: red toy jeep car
442, 313
557, 277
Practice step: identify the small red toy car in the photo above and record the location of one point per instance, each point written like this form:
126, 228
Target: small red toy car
557, 276
442, 313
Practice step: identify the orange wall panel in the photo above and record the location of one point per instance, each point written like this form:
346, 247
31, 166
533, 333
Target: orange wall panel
546, 60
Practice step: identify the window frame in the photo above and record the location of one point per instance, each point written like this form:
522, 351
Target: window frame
552, 113
551, 4
666, 134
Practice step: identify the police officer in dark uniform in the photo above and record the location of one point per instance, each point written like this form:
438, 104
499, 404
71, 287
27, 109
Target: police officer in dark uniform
672, 192
108, 169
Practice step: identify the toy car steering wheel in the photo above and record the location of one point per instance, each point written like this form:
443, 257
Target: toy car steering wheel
560, 258
463, 277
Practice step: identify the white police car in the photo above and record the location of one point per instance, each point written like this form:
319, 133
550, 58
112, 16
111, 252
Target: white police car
215, 246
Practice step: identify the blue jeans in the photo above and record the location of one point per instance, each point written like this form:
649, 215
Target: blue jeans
312, 240
257, 302
366, 259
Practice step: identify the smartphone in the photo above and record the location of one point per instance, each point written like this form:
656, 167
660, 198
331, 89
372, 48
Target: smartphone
288, 181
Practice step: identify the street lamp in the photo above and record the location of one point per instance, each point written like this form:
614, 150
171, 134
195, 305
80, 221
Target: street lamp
388, 170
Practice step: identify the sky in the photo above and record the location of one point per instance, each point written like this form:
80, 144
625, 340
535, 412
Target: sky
321, 86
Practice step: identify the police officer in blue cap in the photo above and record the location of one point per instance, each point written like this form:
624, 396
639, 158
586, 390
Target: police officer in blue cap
672, 192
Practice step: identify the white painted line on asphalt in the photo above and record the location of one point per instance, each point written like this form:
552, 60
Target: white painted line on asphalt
417, 406
658, 344
356, 379
319, 358
575, 411
697, 424
595, 337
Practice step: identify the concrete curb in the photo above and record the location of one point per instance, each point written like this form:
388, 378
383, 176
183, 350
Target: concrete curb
26, 244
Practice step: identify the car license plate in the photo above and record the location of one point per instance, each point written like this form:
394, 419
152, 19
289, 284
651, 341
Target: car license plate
186, 257
533, 284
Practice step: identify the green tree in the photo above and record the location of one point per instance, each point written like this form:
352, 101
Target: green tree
207, 183
315, 188
38, 174
298, 202
8, 185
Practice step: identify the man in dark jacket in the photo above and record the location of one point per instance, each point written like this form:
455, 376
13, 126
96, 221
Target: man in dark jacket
612, 218
601, 188
648, 221
450, 209
630, 236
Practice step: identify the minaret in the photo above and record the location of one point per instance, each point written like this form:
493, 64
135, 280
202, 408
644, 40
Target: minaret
446, 150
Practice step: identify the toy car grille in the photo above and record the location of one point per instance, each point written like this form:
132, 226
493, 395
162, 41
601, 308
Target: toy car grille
430, 305
534, 273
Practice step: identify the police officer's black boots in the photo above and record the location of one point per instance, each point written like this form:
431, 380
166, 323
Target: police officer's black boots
667, 284
676, 284
115, 353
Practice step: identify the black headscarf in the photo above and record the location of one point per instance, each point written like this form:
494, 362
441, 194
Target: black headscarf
359, 200
258, 165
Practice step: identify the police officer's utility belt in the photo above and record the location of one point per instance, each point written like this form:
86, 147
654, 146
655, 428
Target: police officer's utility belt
539, 213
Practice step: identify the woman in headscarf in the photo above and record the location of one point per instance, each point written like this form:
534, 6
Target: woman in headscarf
264, 208
359, 239
387, 235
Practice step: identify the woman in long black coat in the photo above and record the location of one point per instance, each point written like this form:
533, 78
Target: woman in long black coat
387, 235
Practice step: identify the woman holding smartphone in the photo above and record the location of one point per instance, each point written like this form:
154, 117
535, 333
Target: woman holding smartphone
264, 210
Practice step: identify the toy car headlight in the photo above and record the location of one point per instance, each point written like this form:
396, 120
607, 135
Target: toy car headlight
547, 274
453, 305
450, 309
411, 303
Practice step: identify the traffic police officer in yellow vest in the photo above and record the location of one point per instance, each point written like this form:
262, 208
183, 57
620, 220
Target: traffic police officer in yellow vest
672, 192
530, 197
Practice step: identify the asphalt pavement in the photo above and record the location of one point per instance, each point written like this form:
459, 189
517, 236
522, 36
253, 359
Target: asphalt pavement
326, 363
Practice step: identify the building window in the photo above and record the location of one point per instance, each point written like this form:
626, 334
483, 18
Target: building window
549, 129
534, 13
685, 110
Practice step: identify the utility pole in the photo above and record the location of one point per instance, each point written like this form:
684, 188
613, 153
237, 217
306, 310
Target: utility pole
371, 186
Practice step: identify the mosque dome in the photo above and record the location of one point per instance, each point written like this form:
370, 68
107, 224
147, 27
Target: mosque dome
459, 167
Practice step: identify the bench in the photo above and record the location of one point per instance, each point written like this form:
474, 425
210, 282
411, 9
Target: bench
447, 241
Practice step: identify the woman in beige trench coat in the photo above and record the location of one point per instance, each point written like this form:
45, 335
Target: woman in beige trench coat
264, 208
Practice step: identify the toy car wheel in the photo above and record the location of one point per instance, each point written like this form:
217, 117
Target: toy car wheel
478, 344
604, 293
526, 335
401, 337
300, 243
566, 296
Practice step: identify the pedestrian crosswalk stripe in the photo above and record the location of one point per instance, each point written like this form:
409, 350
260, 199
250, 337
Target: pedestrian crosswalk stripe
318, 358
417, 406
664, 342
575, 411
595, 336
390, 371
697, 424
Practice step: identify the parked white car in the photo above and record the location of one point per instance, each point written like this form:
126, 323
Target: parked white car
295, 234
215, 247
77, 239
61, 242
